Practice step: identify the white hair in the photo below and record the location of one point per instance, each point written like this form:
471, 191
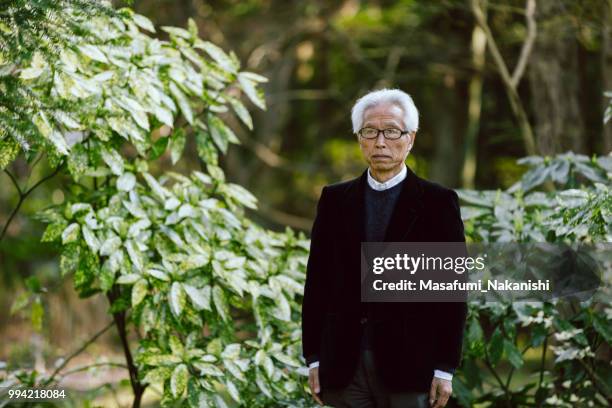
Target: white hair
381, 96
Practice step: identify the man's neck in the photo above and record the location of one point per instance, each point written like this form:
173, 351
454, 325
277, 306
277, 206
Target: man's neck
385, 175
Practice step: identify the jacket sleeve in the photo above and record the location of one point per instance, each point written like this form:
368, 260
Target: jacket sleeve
314, 301
452, 315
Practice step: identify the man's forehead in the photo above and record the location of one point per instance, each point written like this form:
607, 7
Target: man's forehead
386, 120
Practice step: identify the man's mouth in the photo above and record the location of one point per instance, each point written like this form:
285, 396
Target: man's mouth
378, 156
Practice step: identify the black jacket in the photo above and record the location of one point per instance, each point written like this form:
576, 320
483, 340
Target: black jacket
410, 339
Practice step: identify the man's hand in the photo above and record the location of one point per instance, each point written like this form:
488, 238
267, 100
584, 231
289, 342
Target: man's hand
440, 392
313, 382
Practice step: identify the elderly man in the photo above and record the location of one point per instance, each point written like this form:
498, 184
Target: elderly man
363, 354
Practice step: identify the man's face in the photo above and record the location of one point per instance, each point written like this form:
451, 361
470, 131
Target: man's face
380, 153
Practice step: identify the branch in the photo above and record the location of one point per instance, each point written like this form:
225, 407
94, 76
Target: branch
527, 45
23, 195
119, 317
601, 385
507, 79
497, 377
14, 181
77, 352
542, 363
283, 218
87, 367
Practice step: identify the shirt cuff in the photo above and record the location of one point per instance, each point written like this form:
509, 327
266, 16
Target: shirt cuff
443, 375
313, 364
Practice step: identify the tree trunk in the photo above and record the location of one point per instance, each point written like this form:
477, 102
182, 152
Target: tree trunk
606, 70
554, 83
479, 44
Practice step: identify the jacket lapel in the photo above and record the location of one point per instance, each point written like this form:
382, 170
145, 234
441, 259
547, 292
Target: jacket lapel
355, 206
404, 214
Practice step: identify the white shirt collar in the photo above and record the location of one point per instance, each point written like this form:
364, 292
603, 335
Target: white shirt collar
393, 181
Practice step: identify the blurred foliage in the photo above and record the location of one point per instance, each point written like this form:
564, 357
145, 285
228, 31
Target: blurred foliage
572, 337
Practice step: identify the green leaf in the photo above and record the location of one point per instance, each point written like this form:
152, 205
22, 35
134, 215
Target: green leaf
78, 160
192, 27
9, 149
157, 375
249, 88
113, 160
231, 351
200, 298
287, 359
178, 381
93, 52
241, 195
177, 145
474, 334
161, 359
176, 298
254, 77
156, 273
234, 369
156, 188
143, 22
112, 244
36, 314
220, 302
128, 278
107, 277
513, 354
33, 284
218, 136
496, 346
71, 233
53, 232
242, 112
215, 172
208, 369
126, 182
158, 148
233, 390
182, 101
139, 291
164, 115
90, 239
20, 302
218, 55
176, 346
178, 32
85, 274
69, 260
603, 327
262, 383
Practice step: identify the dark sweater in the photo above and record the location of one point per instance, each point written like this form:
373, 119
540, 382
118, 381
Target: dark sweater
379, 206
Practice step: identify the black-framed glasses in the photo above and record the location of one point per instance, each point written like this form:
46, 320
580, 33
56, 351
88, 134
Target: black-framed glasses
372, 133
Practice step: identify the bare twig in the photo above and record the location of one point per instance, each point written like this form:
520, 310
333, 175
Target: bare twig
600, 384
77, 352
283, 218
508, 79
87, 367
527, 45
23, 195
497, 378
13, 180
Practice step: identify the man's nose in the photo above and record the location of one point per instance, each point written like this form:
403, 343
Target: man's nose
380, 140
